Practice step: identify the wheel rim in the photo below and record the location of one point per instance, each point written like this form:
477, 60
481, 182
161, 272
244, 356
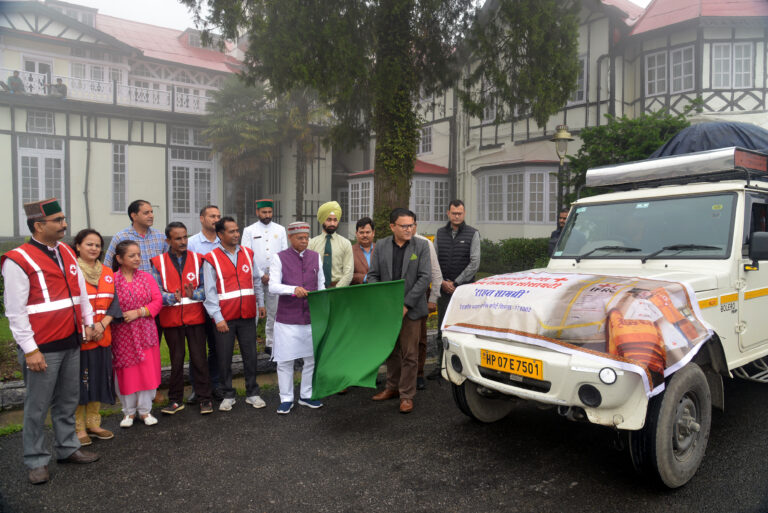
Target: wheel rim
687, 426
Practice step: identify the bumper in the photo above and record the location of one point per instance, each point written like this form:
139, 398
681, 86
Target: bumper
622, 404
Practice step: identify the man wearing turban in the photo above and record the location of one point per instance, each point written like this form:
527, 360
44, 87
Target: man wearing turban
335, 250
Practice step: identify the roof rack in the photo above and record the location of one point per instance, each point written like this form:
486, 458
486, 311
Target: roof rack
703, 166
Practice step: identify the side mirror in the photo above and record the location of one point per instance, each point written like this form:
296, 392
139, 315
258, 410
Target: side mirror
758, 246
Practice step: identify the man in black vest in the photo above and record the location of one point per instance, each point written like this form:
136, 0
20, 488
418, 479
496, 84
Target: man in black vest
458, 251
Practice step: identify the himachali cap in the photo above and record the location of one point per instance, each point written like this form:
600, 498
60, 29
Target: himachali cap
264, 203
327, 209
297, 227
40, 209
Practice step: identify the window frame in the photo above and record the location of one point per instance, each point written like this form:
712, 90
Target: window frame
683, 76
119, 208
582, 77
503, 186
425, 148
656, 68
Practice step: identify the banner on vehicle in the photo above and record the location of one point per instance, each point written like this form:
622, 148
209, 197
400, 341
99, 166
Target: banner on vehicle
650, 327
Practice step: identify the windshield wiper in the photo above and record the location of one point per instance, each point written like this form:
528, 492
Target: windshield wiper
606, 248
679, 247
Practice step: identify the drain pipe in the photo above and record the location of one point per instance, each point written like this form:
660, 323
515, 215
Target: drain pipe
87, 171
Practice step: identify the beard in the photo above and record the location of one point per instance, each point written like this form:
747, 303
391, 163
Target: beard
265, 220
330, 230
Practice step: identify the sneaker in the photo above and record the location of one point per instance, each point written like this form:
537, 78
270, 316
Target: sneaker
255, 401
149, 420
206, 407
310, 403
127, 421
172, 408
284, 408
191, 398
227, 404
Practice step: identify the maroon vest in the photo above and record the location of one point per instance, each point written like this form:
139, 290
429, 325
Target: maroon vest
300, 272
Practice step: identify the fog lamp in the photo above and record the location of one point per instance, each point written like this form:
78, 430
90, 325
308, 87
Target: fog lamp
590, 396
456, 363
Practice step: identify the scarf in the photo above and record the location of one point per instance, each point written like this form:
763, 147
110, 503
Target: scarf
91, 273
130, 339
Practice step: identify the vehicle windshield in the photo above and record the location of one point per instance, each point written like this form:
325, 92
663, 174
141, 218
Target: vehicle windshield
691, 227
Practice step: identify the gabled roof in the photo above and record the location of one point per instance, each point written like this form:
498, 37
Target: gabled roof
164, 44
631, 11
419, 168
663, 13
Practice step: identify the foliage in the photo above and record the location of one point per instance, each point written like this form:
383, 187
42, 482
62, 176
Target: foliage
623, 140
512, 255
527, 59
10, 429
369, 61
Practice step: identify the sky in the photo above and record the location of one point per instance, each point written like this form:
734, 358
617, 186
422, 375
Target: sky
164, 13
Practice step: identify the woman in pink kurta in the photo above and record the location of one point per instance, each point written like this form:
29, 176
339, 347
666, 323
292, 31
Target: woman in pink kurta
135, 345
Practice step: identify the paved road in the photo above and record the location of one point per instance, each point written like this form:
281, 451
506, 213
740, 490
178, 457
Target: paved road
356, 455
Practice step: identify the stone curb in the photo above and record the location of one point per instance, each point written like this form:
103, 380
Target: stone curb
12, 393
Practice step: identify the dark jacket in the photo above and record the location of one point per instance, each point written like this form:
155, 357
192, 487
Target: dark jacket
453, 252
417, 272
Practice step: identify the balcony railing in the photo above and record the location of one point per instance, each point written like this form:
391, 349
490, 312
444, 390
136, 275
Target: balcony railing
116, 93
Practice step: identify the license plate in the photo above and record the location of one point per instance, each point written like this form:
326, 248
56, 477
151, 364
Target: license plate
518, 365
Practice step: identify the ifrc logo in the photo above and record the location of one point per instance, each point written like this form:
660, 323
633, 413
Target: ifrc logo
108, 279
245, 268
73, 270
190, 276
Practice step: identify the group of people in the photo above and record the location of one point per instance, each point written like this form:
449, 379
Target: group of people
88, 331
15, 85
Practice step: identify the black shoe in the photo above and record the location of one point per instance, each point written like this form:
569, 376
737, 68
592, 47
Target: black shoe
435, 374
420, 383
172, 408
268, 350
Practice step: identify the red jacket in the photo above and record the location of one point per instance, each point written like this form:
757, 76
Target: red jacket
53, 304
101, 297
187, 312
234, 285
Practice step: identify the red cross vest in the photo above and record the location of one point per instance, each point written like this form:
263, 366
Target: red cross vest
187, 312
53, 304
234, 284
101, 297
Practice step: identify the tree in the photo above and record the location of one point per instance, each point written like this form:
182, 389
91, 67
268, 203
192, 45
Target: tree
622, 140
369, 61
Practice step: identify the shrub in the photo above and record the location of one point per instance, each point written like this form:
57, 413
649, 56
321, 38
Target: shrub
512, 255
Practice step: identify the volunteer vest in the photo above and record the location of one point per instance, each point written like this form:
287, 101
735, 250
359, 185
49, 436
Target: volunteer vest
234, 284
53, 304
187, 312
638, 340
101, 297
453, 252
298, 271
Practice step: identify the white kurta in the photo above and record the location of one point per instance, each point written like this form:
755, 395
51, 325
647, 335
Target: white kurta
266, 241
292, 341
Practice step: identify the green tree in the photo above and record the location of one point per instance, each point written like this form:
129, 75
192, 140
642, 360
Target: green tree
622, 140
368, 61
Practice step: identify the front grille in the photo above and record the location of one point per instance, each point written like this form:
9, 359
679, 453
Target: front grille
515, 381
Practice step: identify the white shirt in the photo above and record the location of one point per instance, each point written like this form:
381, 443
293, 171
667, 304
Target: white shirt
266, 241
16, 296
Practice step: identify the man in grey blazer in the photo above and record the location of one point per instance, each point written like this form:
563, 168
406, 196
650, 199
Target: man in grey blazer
402, 256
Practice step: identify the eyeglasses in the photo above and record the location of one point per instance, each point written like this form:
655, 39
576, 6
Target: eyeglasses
59, 220
406, 226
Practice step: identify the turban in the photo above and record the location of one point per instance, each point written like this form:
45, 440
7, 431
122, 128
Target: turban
263, 203
327, 209
40, 209
297, 227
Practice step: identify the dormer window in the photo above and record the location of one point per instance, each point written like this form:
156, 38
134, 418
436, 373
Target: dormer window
193, 40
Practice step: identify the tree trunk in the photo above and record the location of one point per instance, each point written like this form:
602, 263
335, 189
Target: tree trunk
394, 121
301, 172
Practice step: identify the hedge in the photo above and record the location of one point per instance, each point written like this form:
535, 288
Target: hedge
512, 255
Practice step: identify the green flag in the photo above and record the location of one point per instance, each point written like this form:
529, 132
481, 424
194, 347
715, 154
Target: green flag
354, 330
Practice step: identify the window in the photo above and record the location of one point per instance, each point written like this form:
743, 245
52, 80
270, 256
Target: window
439, 199
40, 122
202, 188
116, 75
40, 171
489, 108
681, 69
429, 199
360, 198
732, 65
119, 182
527, 196
425, 143
97, 73
180, 187
184, 136
656, 73
580, 94
194, 40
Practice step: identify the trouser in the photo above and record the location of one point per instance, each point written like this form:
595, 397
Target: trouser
245, 332
195, 338
213, 360
270, 301
422, 347
87, 416
402, 364
442, 306
140, 401
285, 379
57, 388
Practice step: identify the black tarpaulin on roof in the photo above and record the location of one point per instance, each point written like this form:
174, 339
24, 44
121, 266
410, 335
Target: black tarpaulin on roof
713, 135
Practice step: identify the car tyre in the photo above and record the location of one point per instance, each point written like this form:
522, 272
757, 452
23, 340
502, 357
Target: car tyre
671, 445
480, 407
